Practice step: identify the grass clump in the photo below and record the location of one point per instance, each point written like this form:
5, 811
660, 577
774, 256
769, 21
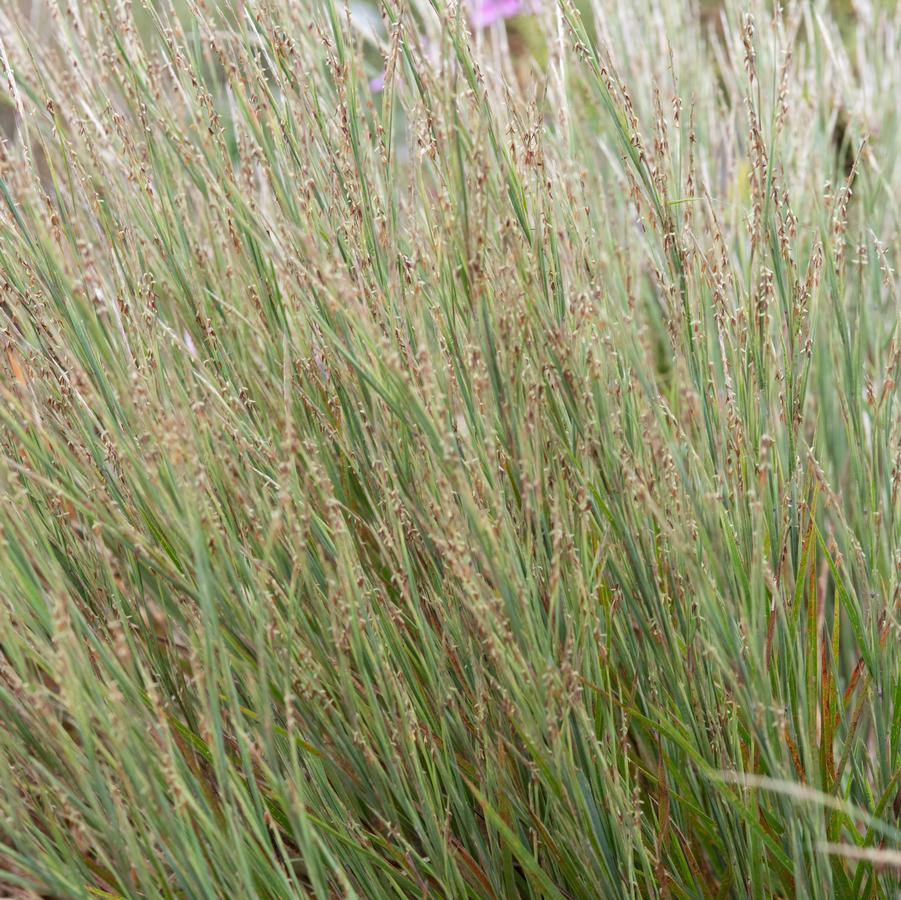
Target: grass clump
484, 487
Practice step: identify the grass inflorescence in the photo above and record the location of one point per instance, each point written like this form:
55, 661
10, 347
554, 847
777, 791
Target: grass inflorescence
485, 486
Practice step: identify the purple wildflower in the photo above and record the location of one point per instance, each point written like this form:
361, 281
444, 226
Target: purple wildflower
378, 83
486, 12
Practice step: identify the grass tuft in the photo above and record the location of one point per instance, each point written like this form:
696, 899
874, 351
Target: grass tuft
485, 486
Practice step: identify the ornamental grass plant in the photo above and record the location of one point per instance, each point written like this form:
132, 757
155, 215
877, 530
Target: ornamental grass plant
452, 461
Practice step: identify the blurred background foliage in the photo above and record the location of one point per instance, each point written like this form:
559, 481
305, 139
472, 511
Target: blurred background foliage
522, 33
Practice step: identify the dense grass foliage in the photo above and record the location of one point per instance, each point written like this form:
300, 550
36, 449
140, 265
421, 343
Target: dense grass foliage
483, 487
